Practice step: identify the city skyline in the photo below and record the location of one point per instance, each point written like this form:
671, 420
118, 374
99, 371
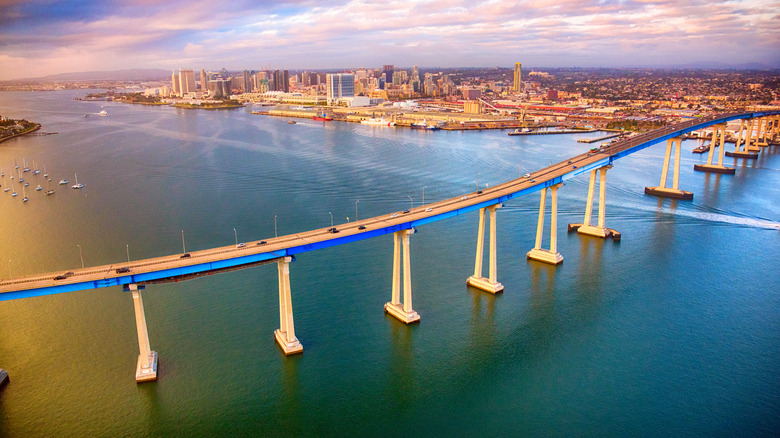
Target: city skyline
39, 38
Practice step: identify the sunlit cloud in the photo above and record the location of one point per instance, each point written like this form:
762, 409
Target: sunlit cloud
41, 37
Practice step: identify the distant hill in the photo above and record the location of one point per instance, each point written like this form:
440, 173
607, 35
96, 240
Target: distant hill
138, 74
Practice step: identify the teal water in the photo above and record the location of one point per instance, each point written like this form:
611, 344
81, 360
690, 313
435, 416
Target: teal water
673, 331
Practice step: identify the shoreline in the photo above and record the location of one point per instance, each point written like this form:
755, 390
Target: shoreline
37, 127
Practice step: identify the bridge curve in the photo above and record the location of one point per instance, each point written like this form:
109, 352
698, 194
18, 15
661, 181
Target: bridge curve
204, 262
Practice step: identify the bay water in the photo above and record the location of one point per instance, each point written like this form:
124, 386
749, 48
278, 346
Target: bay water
675, 330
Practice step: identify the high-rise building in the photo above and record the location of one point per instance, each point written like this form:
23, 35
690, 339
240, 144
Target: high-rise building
278, 81
339, 85
219, 88
203, 80
387, 69
518, 85
247, 82
186, 82
175, 90
285, 81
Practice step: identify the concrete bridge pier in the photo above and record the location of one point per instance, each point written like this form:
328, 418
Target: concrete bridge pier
585, 227
738, 151
403, 312
285, 335
716, 168
762, 130
489, 284
751, 141
674, 191
551, 256
146, 369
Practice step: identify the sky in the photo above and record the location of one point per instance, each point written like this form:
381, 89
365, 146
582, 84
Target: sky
41, 37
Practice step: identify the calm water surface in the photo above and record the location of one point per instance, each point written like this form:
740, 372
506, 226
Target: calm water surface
673, 331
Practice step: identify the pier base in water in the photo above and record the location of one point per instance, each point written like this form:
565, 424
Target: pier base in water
714, 168
402, 315
669, 193
144, 373
485, 284
545, 256
742, 154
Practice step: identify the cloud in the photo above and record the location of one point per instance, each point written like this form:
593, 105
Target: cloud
43, 37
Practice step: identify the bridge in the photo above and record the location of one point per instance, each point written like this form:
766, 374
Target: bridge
757, 129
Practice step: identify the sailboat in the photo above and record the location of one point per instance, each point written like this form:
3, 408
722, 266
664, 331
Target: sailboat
49, 191
7, 188
24, 193
45, 173
13, 192
77, 185
35, 166
39, 188
25, 169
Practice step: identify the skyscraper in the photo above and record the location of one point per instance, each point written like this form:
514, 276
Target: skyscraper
175, 90
339, 85
285, 81
387, 69
518, 85
278, 81
186, 82
247, 84
203, 81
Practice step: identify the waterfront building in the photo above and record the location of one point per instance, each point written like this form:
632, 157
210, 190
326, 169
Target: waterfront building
285, 82
277, 79
204, 79
518, 85
186, 82
247, 82
175, 90
339, 85
219, 88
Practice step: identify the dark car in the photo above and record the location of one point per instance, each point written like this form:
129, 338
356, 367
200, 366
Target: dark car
122, 270
185, 256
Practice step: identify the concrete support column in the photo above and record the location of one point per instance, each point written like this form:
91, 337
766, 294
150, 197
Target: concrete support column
551, 256
675, 191
751, 142
403, 312
719, 130
742, 149
601, 229
603, 195
285, 335
763, 127
489, 284
146, 368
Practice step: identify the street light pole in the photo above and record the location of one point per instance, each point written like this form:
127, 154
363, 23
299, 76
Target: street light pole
127, 247
356, 216
331, 219
411, 202
9, 270
423, 200
275, 233
81, 255
476, 183
236, 234
183, 247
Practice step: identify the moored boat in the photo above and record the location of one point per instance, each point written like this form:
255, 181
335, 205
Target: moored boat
377, 122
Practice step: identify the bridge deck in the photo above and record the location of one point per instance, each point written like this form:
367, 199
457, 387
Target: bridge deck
255, 252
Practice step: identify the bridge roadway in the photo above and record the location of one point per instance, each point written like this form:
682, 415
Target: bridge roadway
205, 262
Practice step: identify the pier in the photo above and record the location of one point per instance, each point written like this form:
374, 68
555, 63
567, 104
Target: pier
606, 137
557, 131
